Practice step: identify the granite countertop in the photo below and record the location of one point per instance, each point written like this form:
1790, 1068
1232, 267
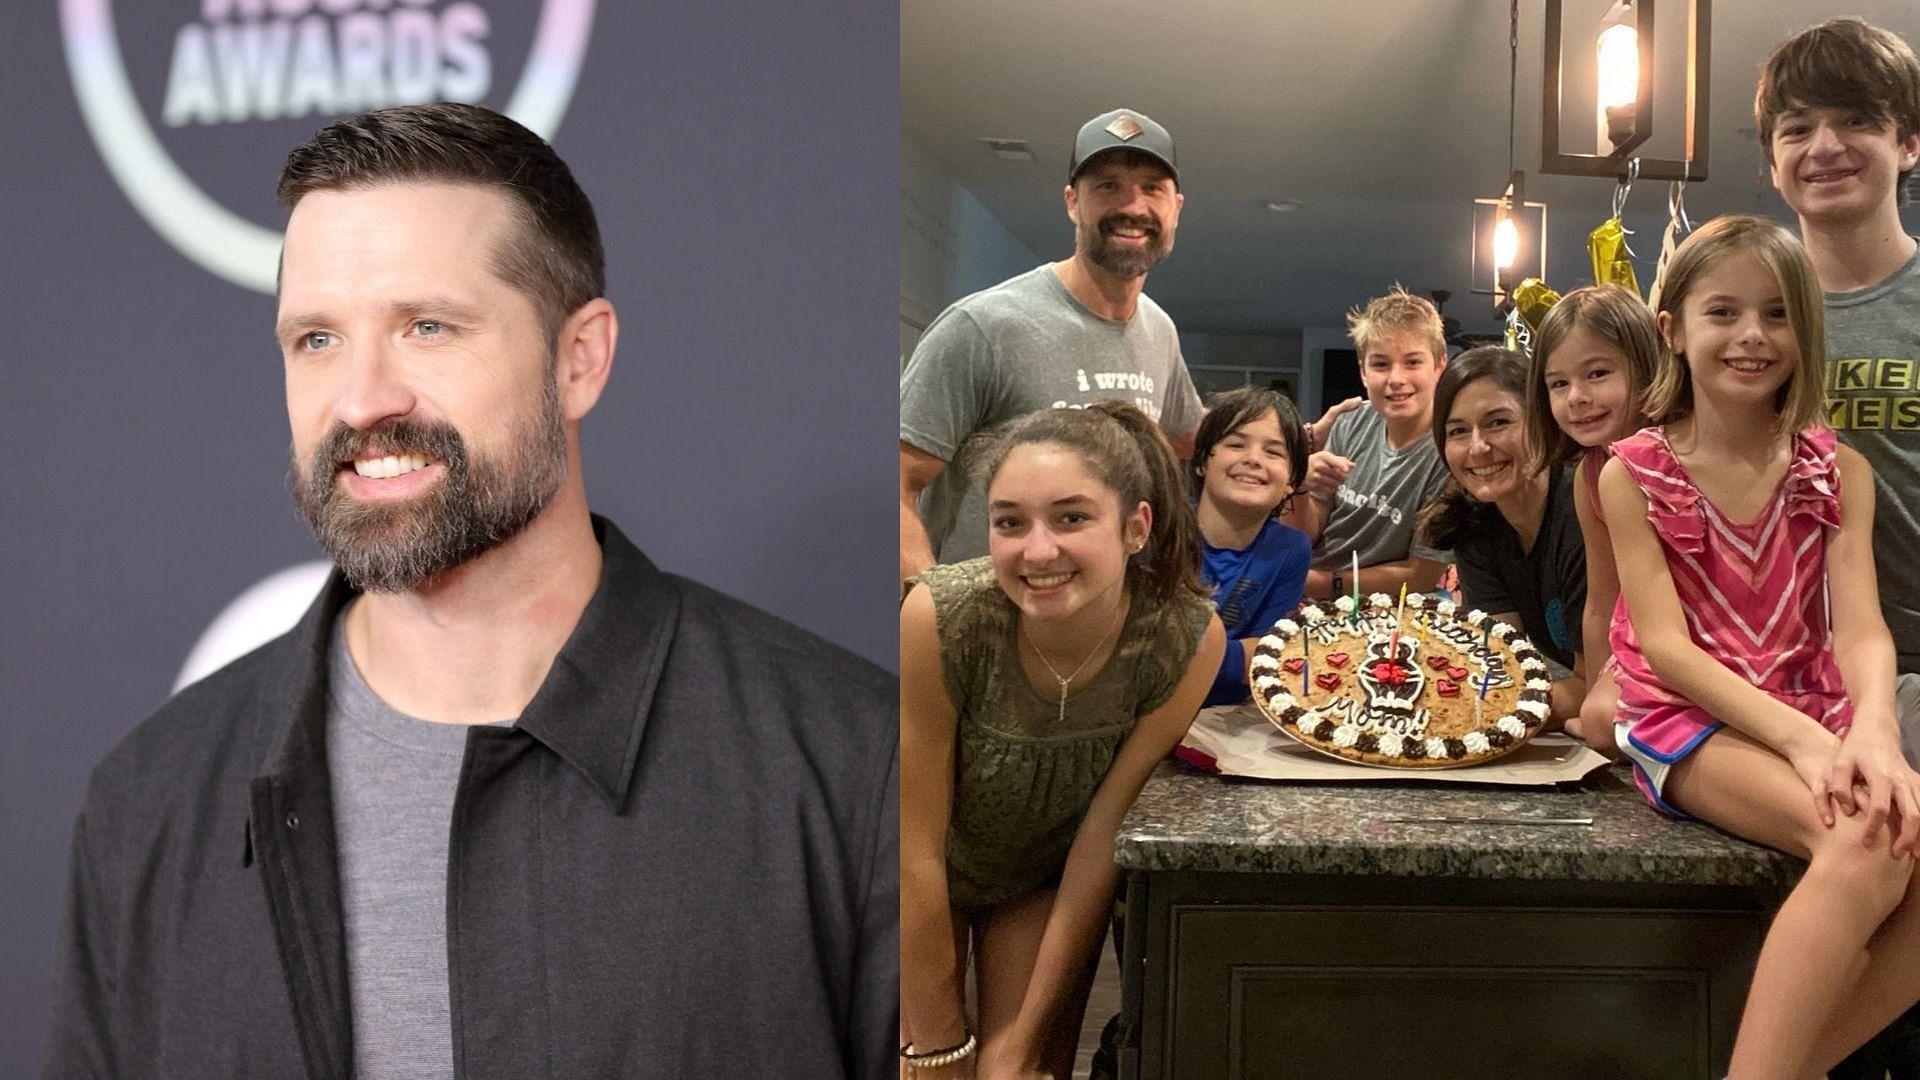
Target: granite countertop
1187, 820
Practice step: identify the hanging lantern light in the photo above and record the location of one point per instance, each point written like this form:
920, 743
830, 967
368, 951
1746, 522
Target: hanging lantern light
1623, 47
1509, 241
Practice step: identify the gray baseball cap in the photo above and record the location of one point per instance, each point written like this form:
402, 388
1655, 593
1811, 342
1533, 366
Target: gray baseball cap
1122, 129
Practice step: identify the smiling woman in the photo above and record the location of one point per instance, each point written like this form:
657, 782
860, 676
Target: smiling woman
1512, 529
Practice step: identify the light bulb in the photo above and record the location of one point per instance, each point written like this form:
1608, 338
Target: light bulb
1617, 88
1619, 65
1506, 244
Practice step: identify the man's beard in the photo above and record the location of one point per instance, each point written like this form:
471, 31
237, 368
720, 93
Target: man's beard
1124, 262
476, 505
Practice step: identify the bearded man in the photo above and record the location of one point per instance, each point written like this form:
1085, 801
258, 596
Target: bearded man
1062, 335
509, 801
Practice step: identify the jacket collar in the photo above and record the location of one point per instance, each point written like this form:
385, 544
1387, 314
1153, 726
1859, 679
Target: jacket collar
592, 710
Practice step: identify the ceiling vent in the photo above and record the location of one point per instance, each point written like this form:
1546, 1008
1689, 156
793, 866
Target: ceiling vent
1009, 149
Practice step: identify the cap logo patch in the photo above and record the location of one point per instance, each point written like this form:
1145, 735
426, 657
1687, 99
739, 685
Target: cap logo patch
1124, 127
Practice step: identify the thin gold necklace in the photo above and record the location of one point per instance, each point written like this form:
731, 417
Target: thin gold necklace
1068, 681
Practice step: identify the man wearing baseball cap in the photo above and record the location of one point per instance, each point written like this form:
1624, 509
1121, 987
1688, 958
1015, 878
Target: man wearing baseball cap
1063, 335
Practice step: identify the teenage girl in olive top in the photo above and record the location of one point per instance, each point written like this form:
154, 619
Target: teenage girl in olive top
1039, 687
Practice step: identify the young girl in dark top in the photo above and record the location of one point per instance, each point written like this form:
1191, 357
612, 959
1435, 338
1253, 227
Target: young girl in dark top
1248, 456
1512, 529
1592, 360
1038, 688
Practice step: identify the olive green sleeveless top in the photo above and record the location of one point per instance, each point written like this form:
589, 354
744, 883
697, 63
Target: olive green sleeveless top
1022, 779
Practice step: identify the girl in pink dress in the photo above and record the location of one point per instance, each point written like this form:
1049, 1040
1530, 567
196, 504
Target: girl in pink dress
1756, 674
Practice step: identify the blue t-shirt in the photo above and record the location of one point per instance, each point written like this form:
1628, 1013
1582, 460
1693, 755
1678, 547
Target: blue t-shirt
1254, 587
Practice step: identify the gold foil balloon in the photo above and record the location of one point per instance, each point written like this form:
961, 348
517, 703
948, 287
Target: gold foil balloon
1612, 264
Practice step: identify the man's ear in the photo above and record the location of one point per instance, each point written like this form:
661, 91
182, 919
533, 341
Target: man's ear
1072, 199
583, 356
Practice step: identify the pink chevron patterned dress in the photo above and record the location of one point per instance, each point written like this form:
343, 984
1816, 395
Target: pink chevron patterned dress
1754, 594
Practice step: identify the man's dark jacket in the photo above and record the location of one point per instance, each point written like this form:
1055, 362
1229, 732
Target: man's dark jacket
681, 862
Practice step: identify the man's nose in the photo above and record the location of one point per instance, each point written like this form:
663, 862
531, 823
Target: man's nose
375, 389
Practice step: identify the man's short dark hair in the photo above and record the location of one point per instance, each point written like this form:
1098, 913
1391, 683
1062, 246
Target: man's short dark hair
1842, 64
555, 258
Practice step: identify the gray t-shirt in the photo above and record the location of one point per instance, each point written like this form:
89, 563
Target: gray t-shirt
1873, 400
1373, 511
1023, 345
393, 784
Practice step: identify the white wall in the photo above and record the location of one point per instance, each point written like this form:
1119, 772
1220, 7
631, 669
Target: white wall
950, 245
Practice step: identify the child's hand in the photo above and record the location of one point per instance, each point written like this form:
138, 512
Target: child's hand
1318, 431
1326, 470
1812, 757
1873, 762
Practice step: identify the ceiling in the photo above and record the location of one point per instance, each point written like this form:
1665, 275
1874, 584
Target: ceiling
1384, 119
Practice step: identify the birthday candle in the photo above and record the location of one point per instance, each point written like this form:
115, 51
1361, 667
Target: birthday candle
1306, 662
1486, 673
1356, 587
1399, 613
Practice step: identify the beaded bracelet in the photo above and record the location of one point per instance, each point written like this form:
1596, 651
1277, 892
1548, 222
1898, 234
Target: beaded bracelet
933, 1059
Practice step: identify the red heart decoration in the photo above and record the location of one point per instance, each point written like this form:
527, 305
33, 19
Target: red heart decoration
1446, 689
1437, 663
1338, 659
1456, 673
1327, 680
1295, 665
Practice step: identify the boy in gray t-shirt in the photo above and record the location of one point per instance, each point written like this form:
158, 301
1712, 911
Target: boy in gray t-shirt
1838, 117
1379, 466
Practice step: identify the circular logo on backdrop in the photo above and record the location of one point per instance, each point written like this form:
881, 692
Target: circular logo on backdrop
214, 66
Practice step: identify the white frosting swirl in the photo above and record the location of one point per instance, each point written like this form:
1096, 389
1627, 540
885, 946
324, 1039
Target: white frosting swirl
1346, 735
1262, 682
1511, 726
1265, 662
1437, 747
1416, 600
1539, 684
1380, 600
1504, 632
1476, 617
1445, 608
1536, 708
1312, 614
1533, 666
1286, 628
1476, 743
1344, 605
1391, 743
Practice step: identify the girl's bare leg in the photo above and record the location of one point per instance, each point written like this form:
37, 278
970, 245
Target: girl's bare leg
1007, 943
1815, 950
1889, 987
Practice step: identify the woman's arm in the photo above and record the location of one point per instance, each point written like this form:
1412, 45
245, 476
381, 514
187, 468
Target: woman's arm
1689, 670
1081, 907
931, 1010
1870, 753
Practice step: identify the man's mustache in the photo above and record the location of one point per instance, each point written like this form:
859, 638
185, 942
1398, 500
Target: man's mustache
434, 440
1111, 222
